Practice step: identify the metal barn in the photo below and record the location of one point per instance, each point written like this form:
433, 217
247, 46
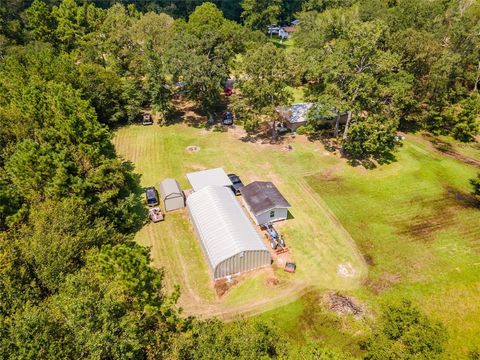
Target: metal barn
172, 195
228, 238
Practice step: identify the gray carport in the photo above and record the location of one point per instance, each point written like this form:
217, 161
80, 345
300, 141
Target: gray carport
228, 238
172, 195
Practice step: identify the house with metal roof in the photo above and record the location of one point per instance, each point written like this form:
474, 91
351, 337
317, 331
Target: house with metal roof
264, 202
230, 242
210, 177
297, 115
172, 195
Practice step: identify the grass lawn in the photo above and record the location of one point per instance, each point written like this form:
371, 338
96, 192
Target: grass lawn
420, 231
318, 242
413, 221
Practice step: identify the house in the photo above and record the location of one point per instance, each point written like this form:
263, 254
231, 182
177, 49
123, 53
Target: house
297, 115
264, 202
229, 241
211, 177
172, 195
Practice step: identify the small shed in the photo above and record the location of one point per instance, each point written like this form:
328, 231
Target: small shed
172, 195
229, 241
210, 177
264, 202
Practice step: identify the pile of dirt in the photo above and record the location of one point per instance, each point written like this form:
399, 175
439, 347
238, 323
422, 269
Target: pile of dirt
344, 305
192, 148
223, 285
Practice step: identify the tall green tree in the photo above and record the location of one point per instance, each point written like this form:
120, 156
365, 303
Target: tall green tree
258, 14
406, 333
263, 84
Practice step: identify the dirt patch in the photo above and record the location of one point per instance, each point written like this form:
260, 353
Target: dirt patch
463, 199
384, 282
369, 259
272, 281
448, 150
223, 285
328, 175
344, 305
424, 227
192, 149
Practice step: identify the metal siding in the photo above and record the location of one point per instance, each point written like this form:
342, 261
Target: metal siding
174, 203
280, 214
251, 260
224, 231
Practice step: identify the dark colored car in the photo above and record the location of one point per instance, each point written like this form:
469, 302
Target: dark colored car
237, 183
147, 119
227, 118
151, 196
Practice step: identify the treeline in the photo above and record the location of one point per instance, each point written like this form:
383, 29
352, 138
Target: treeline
409, 65
73, 284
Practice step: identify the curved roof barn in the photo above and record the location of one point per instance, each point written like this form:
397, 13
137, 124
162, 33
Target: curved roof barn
228, 238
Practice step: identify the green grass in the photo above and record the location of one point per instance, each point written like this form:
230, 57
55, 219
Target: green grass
317, 242
414, 220
419, 227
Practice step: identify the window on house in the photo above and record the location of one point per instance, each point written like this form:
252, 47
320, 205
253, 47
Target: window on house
272, 213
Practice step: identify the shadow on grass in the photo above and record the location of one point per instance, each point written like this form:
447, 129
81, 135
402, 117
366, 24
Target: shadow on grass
133, 213
290, 215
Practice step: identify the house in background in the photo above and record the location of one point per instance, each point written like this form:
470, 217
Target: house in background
172, 195
297, 115
264, 202
210, 177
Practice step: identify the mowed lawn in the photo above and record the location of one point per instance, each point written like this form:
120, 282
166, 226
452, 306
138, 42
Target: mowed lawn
318, 242
420, 231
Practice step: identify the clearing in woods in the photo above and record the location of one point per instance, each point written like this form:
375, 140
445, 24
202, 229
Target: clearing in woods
318, 243
414, 221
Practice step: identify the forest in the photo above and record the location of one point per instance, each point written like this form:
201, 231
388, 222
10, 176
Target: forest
73, 283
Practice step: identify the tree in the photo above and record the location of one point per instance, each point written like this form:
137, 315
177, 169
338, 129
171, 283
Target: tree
406, 333
56, 238
476, 185
242, 339
201, 53
258, 14
114, 307
263, 84
39, 22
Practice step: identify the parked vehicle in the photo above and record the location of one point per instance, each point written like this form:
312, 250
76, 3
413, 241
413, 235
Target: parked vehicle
228, 92
227, 118
151, 195
155, 214
147, 119
237, 183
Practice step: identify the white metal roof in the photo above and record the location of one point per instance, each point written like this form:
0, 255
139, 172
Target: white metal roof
222, 225
211, 177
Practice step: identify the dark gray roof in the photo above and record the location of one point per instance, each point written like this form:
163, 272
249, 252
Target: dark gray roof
262, 196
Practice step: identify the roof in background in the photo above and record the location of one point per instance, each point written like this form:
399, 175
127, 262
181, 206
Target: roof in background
298, 112
262, 196
222, 225
170, 186
211, 177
